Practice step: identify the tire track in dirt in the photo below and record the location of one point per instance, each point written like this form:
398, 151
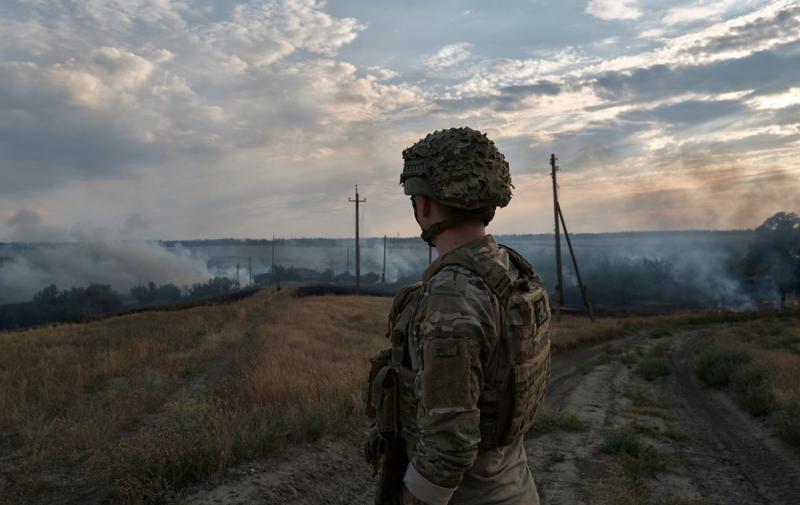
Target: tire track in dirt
332, 472
728, 444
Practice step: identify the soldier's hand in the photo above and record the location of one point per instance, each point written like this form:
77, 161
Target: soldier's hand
373, 448
407, 498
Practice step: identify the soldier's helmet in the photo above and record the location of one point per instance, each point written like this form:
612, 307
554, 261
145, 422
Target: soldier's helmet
458, 167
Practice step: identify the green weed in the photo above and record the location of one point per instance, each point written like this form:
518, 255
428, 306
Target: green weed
751, 390
715, 365
622, 441
641, 399
652, 368
547, 421
786, 420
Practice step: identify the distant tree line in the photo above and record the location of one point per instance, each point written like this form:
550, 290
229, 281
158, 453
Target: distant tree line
81, 304
78, 304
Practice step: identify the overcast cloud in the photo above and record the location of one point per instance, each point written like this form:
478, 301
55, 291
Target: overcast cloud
210, 118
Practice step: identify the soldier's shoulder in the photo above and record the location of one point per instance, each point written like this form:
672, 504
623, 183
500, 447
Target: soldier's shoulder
405, 295
457, 281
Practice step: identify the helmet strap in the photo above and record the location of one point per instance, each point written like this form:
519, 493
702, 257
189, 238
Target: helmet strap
435, 229
486, 214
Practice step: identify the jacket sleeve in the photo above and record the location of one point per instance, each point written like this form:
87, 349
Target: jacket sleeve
455, 322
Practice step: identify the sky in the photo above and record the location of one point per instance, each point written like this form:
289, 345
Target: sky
211, 118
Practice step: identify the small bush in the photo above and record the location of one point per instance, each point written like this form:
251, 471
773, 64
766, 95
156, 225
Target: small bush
660, 332
653, 367
751, 390
676, 434
641, 399
659, 350
715, 365
315, 424
786, 420
547, 421
622, 441
646, 463
629, 358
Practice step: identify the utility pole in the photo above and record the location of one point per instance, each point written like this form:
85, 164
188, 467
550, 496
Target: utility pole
272, 265
561, 223
272, 271
559, 275
357, 201
383, 274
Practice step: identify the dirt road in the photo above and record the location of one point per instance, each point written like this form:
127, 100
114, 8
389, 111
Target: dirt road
613, 438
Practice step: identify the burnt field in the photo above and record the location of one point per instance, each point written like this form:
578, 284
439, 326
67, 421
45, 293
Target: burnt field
259, 400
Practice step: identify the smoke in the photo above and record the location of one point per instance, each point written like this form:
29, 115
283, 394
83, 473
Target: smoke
43, 254
678, 268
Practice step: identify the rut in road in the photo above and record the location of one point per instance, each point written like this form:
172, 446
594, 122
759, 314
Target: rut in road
731, 442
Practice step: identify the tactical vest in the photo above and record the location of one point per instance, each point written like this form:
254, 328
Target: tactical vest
520, 367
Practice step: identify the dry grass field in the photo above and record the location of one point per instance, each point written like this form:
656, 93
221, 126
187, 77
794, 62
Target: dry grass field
135, 408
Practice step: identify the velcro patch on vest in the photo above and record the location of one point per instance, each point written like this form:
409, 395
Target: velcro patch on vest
541, 311
445, 376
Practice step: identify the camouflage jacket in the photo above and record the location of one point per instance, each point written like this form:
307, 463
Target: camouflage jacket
448, 327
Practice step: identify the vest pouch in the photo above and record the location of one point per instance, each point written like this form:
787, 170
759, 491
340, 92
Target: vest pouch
527, 389
384, 397
376, 363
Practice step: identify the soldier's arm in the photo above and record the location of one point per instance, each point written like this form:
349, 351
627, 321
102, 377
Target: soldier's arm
455, 320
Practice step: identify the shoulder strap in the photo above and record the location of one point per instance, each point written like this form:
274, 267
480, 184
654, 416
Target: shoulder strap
519, 261
399, 350
495, 276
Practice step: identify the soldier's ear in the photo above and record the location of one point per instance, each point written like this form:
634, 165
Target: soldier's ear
424, 206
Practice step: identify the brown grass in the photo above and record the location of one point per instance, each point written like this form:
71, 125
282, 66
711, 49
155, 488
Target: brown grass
132, 408
573, 330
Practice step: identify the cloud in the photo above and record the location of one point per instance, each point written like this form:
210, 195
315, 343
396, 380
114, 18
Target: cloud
261, 33
770, 71
689, 112
614, 9
543, 87
702, 11
773, 27
449, 57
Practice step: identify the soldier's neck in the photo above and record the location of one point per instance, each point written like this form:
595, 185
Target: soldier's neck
453, 238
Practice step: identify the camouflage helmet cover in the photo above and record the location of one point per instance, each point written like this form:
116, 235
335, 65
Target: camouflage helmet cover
459, 167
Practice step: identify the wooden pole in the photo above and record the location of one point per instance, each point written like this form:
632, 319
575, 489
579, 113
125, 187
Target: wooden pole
357, 201
584, 293
383, 274
272, 264
559, 275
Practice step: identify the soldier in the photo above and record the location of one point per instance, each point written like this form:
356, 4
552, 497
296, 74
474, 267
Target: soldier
470, 354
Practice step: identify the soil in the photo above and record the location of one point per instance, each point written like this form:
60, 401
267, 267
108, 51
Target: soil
711, 451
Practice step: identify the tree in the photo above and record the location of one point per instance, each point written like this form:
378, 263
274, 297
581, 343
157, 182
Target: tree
782, 222
776, 252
